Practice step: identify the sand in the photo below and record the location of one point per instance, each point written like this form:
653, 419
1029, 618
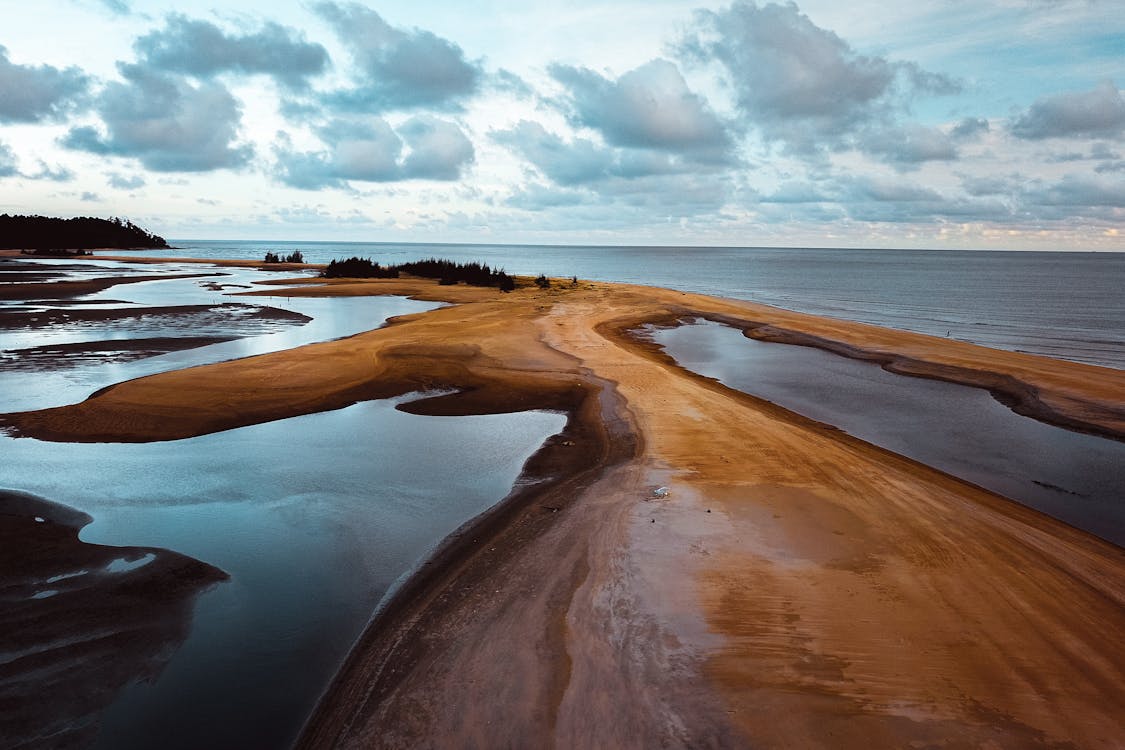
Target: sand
795, 587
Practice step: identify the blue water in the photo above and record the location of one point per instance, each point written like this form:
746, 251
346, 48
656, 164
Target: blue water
314, 518
1077, 478
1066, 305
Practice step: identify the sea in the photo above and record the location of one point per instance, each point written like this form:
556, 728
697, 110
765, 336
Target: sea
1068, 305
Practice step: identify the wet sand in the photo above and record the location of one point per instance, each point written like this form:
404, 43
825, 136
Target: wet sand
795, 587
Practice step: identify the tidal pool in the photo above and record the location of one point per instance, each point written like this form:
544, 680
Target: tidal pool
314, 518
331, 318
964, 431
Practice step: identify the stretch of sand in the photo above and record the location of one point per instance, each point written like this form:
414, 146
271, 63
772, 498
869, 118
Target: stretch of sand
796, 587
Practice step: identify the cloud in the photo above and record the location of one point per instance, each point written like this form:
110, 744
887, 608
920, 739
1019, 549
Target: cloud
37, 93
399, 69
799, 83
796, 192
990, 185
970, 127
1079, 191
123, 182
167, 123
117, 7
202, 49
372, 151
581, 161
9, 166
584, 171
438, 149
577, 162
54, 174
1099, 113
650, 107
898, 201
907, 147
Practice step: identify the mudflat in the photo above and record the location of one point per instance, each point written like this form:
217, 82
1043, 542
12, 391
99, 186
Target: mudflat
788, 586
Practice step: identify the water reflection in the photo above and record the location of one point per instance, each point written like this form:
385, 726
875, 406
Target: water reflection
166, 308
79, 621
313, 518
1079, 479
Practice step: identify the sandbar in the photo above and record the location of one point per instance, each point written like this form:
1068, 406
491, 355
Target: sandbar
790, 586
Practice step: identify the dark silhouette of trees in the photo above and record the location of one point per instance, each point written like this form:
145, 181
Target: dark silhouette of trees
81, 233
293, 257
447, 272
358, 268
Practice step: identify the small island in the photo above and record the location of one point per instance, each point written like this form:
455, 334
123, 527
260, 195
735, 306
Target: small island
53, 236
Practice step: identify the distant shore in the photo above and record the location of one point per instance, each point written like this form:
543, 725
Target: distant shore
793, 586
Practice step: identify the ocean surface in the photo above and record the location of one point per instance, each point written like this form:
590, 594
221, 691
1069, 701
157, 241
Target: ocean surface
1068, 305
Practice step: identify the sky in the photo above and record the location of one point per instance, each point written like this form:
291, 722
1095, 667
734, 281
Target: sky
992, 124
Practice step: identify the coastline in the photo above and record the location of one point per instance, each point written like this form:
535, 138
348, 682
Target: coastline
708, 621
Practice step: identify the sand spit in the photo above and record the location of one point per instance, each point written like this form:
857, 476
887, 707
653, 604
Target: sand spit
793, 587
52, 290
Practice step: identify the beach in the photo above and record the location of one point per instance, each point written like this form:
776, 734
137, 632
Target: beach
686, 564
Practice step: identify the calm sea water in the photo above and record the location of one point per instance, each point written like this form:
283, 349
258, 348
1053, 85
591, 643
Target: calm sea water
1065, 305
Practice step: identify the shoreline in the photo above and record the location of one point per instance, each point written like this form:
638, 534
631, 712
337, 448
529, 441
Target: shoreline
622, 618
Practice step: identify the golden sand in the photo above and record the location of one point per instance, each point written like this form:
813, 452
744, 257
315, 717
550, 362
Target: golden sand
795, 588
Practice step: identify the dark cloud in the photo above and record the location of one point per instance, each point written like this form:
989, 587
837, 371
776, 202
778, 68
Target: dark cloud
167, 123
124, 182
30, 93
908, 147
970, 127
1099, 113
9, 166
202, 49
399, 68
372, 151
650, 107
799, 83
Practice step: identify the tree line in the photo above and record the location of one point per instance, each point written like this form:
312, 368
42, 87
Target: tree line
445, 271
293, 257
79, 233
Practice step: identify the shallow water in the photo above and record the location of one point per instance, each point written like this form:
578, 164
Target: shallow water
1077, 478
332, 318
313, 518
1060, 304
